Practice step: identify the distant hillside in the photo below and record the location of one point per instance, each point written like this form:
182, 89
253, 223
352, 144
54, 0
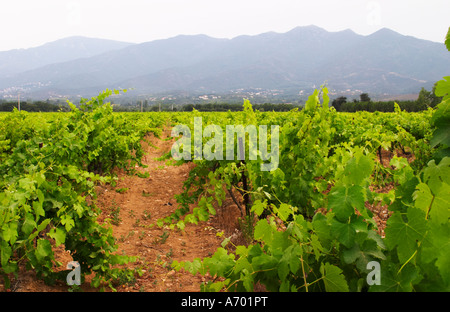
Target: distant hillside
63, 50
382, 63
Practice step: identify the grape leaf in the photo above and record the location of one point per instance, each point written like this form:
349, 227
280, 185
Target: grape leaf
358, 168
263, 231
5, 253
220, 263
422, 197
405, 235
43, 249
442, 90
58, 235
361, 255
433, 197
436, 175
436, 245
258, 207
393, 280
441, 205
321, 227
333, 279
10, 232
441, 118
343, 201
312, 101
344, 232
284, 211
29, 224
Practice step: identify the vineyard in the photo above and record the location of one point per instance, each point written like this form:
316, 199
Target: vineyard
311, 223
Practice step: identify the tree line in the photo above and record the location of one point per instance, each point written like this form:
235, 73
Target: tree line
224, 107
425, 99
341, 104
33, 106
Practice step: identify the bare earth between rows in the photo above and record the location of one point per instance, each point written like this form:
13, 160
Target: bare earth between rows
133, 206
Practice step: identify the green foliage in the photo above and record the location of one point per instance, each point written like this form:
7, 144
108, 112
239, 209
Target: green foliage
301, 255
327, 160
49, 168
441, 120
417, 233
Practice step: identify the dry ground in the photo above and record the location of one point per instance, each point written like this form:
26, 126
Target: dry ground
133, 206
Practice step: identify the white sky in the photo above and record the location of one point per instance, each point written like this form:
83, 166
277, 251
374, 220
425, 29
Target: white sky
28, 23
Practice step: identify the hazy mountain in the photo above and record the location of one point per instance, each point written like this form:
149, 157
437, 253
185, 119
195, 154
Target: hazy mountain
63, 50
383, 62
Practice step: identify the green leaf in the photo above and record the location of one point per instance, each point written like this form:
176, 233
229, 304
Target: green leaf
5, 253
442, 90
290, 261
405, 234
362, 255
38, 210
283, 269
394, 280
220, 263
434, 195
358, 168
259, 207
79, 209
343, 201
436, 246
422, 197
436, 175
441, 117
263, 231
317, 246
243, 264
43, 225
294, 261
10, 232
247, 280
333, 279
68, 222
441, 205
441, 135
312, 101
43, 250
29, 224
321, 227
344, 232
58, 235
284, 211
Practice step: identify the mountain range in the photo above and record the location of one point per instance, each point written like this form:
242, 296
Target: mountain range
384, 62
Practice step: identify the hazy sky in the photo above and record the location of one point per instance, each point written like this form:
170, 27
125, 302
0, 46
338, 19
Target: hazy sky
28, 23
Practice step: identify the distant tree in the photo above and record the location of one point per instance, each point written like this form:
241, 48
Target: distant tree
188, 108
425, 98
337, 103
364, 97
435, 100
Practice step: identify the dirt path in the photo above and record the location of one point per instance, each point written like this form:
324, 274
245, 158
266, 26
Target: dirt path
141, 202
134, 205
